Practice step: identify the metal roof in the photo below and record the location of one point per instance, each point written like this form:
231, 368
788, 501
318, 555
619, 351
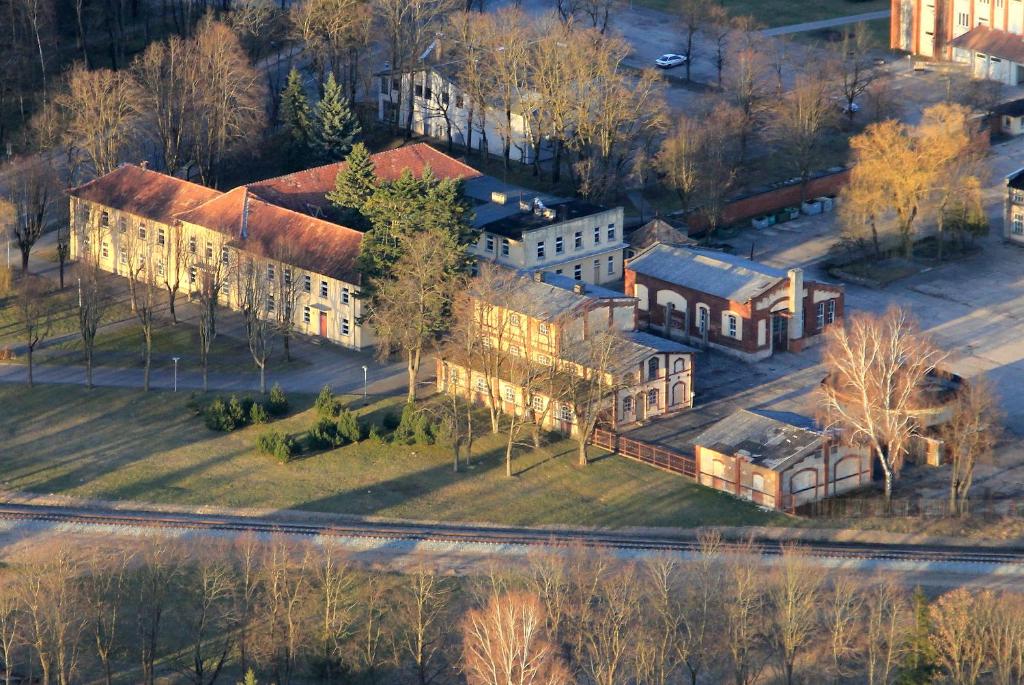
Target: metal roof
716, 273
765, 438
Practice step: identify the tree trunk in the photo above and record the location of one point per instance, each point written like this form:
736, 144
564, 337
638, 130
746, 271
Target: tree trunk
88, 367
263, 378
887, 470
508, 449
413, 367
287, 345
24, 258
62, 261
172, 296
148, 335
581, 445
689, 52
30, 365
206, 367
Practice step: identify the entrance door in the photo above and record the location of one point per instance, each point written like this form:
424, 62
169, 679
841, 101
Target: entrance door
640, 405
323, 324
780, 333
678, 393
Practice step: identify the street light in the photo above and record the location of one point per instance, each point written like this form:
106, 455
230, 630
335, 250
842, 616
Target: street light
364, 385
176, 373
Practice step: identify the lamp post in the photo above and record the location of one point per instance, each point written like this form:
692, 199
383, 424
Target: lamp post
176, 359
364, 385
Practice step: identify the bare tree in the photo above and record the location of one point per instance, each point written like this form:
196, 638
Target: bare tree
137, 257
31, 183
694, 16
155, 581
208, 618
256, 301
100, 111
337, 597
94, 300
842, 617
854, 67
168, 88
248, 592
664, 607
877, 365
12, 621
505, 642
799, 122
105, 593
744, 612
35, 309
1002, 623
334, 33
286, 587
702, 606
885, 625
969, 437
373, 627
794, 595
958, 636
177, 261
747, 85
214, 273
53, 612
680, 156
425, 605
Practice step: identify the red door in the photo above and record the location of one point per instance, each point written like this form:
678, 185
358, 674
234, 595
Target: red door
323, 324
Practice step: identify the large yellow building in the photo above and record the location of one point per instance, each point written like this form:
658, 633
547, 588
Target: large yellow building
167, 229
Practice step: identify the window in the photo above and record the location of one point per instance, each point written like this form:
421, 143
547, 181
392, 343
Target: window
577, 272
444, 97
537, 402
161, 237
963, 18
122, 226
427, 93
270, 273
652, 399
344, 327
558, 272
192, 245
611, 265
287, 275
225, 258
489, 242
578, 240
305, 315
453, 377
597, 235
383, 85
702, 319
104, 218
1018, 196
830, 312
323, 288
1018, 224
458, 101
559, 245
270, 303
514, 320
565, 413
821, 315
192, 275
627, 405
209, 250
481, 386
514, 349
540, 250
733, 323
544, 359
106, 250
159, 267
395, 85
504, 247
542, 329
510, 394
611, 232
826, 313
123, 255
653, 366
307, 284
418, 90
345, 294
142, 231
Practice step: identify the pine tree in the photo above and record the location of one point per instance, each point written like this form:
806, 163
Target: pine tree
354, 185
336, 124
296, 115
919, 661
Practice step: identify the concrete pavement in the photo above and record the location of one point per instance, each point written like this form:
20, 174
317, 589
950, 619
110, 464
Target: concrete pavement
826, 23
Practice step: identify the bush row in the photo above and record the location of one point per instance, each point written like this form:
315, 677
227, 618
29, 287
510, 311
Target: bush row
228, 414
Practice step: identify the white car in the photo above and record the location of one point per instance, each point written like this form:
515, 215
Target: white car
670, 60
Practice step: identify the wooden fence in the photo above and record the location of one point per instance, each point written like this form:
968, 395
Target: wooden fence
652, 455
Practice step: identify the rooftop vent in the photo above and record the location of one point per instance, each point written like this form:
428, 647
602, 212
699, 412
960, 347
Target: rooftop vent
579, 288
538, 276
549, 213
525, 205
538, 206
499, 198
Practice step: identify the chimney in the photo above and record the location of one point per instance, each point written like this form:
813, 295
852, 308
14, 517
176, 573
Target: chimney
245, 214
144, 164
579, 288
796, 304
438, 46
538, 276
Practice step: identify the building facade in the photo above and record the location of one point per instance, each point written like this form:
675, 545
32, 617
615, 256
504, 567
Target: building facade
1013, 208
541, 333
778, 460
985, 34
731, 304
571, 238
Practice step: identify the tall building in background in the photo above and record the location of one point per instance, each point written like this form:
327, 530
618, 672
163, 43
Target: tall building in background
987, 34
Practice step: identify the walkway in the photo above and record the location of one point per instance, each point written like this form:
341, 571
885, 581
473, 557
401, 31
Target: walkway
826, 23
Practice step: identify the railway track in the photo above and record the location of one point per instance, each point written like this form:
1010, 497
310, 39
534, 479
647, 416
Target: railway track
499, 537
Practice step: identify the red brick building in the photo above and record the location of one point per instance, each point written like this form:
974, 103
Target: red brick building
732, 304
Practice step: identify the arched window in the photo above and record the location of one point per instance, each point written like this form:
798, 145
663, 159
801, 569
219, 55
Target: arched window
652, 399
652, 368
678, 366
627, 405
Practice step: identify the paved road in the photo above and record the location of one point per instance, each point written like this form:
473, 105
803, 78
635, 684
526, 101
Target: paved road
826, 23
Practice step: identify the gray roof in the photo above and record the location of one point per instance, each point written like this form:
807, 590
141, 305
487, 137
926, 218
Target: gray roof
770, 438
716, 273
631, 349
658, 231
554, 296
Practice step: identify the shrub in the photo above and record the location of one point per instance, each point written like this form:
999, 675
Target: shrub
238, 411
224, 416
348, 427
276, 444
327, 405
258, 414
374, 435
323, 435
423, 430
277, 402
391, 421
414, 427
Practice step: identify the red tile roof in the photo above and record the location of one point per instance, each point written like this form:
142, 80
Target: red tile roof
279, 233
145, 193
304, 191
1002, 44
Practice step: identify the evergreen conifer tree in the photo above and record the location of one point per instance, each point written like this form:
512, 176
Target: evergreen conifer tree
336, 124
354, 185
296, 114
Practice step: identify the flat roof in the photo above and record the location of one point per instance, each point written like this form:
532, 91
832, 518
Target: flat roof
716, 273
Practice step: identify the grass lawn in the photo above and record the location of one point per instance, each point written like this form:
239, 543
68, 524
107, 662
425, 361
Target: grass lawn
121, 444
785, 12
